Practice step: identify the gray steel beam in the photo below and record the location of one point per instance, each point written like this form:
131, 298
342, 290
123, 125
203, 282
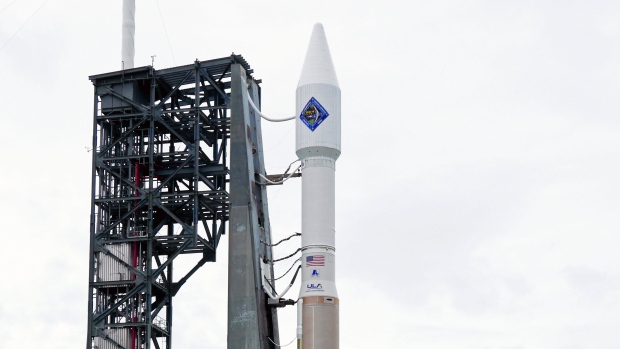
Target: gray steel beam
250, 319
263, 211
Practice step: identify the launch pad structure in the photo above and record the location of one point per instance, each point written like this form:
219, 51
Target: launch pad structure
177, 155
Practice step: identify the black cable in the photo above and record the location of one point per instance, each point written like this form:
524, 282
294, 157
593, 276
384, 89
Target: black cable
295, 276
267, 261
290, 284
289, 166
289, 269
281, 241
270, 285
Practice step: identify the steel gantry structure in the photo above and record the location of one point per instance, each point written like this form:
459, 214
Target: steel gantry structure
160, 175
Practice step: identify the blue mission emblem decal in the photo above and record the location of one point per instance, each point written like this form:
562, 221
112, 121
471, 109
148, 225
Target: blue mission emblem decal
313, 114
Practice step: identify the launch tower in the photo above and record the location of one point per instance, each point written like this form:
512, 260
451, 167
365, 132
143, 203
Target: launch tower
160, 175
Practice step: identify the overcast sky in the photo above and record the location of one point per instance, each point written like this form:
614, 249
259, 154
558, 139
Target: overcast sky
477, 191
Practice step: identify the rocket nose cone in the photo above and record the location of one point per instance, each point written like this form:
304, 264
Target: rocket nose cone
318, 65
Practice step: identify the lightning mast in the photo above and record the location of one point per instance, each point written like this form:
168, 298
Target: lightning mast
129, 32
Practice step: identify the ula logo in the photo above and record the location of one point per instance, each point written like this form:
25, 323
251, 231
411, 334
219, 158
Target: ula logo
314, 287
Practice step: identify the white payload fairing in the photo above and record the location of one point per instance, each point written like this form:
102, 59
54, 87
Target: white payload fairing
318, 147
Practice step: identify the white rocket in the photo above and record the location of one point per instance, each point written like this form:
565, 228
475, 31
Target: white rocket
318, 147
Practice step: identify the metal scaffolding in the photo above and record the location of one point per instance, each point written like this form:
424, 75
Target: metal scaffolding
159, 191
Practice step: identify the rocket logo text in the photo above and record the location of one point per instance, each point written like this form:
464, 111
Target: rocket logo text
313, 287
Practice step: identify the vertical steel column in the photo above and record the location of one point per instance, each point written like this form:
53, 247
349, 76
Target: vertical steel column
264, 249
91, 254
250, 319
196, 149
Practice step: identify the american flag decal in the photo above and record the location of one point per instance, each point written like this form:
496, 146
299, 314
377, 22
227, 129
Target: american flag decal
315, 261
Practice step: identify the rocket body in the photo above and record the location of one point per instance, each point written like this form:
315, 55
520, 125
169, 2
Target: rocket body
318, 148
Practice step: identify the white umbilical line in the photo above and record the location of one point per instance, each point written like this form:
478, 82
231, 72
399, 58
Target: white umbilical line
275, 295
263, 115
282, 345
280, 181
